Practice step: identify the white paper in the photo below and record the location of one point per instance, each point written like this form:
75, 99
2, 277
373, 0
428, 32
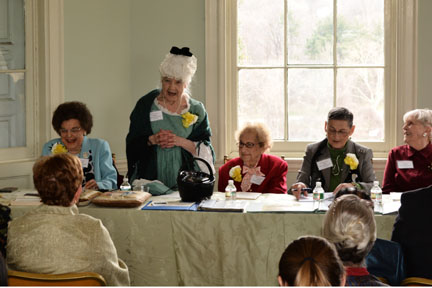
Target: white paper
323, 164
288, 206
247, 195
156, 116
255, 179
84, 162
405, 164
220, 205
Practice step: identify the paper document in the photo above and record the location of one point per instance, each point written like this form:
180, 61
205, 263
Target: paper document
248, 195
173, 203
286, 206
223, 205
179, 206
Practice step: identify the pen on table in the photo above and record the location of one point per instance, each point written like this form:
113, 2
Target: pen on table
303, 189
159, 203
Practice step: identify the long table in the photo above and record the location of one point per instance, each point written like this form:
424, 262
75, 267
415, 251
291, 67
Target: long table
171, 248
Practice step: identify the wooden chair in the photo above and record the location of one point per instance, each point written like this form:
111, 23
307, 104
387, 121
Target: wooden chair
416, 281
119, 176
226, 159
18, 278
383, 280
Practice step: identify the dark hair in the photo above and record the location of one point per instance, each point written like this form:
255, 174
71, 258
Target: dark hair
362, 194
57, 178
72, 110
311, 261
341, 113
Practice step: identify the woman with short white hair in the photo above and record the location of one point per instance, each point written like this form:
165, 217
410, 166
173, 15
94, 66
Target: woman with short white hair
167, 126
254, 170
409, 166
350, 225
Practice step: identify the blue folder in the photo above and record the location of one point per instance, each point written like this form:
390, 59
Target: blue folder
149, 206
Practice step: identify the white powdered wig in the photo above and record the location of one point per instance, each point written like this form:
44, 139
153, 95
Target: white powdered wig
179, 67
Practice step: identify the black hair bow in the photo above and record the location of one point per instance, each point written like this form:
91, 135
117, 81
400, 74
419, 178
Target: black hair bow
183, 51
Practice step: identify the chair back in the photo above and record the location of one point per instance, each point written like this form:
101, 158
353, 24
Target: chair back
416, 281
18, 278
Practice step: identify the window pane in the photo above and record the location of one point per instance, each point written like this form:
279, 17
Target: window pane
308, 104
360, 32
12, 36
260, 32
310, 32
12, 110
261, 98
362, 92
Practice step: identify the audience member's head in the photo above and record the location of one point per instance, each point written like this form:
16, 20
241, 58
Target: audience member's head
58, 179
311, 261
350, 225
362, 194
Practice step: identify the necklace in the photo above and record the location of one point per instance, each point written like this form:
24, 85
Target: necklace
336, 168
177, 106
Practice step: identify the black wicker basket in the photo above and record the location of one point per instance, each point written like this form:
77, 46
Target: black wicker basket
195, 186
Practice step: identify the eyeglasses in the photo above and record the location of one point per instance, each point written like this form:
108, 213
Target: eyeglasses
247, 144
74, 131
342, 133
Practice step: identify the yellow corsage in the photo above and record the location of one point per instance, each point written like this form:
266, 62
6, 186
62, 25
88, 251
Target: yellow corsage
235, 173
189, 119
351, 160
58, 148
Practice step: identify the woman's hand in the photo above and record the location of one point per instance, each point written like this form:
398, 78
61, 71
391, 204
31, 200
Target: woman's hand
92, 185
167, 139
296, 189
163, 138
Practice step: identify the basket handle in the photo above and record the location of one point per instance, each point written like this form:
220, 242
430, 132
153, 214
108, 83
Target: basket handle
206, 163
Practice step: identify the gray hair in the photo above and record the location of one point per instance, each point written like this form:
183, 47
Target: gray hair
261, 131
350, 225
179, 67
424, 116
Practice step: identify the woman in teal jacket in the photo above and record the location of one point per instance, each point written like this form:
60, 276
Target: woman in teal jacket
73, 121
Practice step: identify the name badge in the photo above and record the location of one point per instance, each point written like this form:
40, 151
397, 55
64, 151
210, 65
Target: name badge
156, 116
324, 164
84, 162
405, 164
257, 179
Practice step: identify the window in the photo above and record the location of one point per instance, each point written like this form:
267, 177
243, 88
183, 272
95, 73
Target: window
332, 55
31, 73
288, 62
12, 74
17, 101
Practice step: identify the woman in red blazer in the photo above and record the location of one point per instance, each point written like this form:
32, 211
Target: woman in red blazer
254, 171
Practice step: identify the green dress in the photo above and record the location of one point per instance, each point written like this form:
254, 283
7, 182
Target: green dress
169, 159
150, 161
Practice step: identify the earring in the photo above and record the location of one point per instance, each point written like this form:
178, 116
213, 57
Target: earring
424, 134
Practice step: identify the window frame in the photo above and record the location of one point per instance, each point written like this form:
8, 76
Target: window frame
23, 152
44, 90
221, 82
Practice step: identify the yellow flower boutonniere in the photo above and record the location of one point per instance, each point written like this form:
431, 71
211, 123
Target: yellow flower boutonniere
189, 119
58, 148
235, 173
351, 160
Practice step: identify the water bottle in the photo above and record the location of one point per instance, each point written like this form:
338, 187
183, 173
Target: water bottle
318, 195
376, 193
230, 191
125, 186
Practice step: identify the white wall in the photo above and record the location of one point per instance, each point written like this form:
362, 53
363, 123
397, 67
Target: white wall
424, 99
113, 49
